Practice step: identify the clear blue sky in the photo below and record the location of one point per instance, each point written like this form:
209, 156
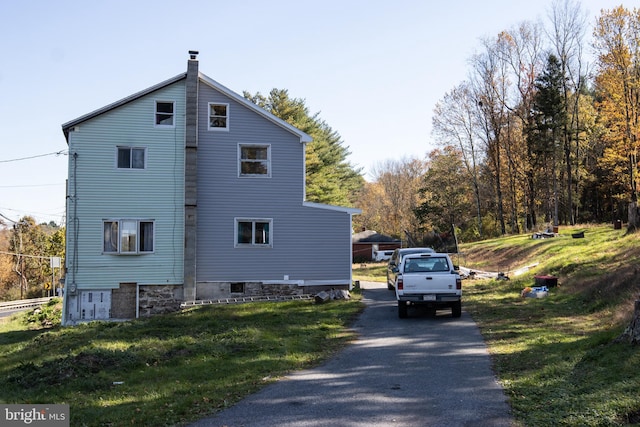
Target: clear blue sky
373, 69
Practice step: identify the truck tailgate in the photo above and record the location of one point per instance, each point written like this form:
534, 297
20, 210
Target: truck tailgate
421, 283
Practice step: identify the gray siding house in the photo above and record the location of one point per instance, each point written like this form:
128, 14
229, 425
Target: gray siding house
187, 191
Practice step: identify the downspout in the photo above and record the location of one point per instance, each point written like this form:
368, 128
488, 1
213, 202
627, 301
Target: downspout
70, 286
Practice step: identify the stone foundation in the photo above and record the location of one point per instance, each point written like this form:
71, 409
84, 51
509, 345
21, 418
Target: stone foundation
159, 299
222, 290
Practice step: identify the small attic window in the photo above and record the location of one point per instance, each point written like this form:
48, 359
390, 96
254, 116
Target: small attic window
164, 113
218, 116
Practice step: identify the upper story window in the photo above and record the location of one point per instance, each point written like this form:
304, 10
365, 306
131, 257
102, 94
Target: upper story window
218, 116
127, 236
254, 160
165, 111
131, 158
253, 233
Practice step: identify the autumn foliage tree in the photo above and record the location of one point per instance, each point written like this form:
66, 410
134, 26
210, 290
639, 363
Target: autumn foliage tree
393, 197
25, 266
617, 41
445, 191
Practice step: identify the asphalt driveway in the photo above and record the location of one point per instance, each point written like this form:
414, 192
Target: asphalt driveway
420, 371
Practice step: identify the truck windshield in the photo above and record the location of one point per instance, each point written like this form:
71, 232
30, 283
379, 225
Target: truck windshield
422, 265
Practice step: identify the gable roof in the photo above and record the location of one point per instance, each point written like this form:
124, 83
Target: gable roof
204, 79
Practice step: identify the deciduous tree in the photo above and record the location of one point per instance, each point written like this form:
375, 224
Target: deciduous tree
617, 42
446, 191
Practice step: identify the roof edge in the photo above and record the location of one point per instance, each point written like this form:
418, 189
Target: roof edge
351, 211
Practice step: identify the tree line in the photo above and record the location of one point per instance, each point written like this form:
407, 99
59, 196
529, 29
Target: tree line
534, 137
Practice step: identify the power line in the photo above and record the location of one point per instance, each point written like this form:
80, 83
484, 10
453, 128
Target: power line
8, 219
27, 256
56, 153
32, 185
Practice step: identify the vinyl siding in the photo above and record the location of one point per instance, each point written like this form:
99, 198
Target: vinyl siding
308, 243
102, 191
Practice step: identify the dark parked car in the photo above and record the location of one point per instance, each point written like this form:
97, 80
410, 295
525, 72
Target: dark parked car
394, 262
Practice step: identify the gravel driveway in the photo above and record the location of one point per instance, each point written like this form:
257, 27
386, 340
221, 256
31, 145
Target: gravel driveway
420, 371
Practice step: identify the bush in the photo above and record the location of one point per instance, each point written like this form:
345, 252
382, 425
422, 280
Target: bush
45, 316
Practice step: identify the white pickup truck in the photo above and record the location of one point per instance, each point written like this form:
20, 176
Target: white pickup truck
428, 279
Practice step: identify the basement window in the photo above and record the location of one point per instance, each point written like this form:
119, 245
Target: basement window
237, 288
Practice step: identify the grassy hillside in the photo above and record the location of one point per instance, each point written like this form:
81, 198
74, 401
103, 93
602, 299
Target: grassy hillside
555, 356
171, 369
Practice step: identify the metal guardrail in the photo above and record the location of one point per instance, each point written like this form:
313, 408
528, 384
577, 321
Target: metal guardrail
24, 303
197, 303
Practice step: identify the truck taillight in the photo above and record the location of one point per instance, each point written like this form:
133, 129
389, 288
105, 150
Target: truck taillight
400, 284
458, 283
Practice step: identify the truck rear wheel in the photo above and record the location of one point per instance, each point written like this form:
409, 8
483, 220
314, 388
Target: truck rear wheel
402, 309
456, 309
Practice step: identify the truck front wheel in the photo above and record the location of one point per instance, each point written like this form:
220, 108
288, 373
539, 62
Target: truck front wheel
402, 309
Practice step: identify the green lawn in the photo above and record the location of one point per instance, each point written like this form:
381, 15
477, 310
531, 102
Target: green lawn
171, 369
555, 356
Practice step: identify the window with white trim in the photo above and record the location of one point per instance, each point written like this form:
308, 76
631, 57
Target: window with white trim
254, 160
165, 111
131, 158
254, 233
218, 116
127, 236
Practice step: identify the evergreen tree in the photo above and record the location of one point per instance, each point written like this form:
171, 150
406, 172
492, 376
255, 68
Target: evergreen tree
549, 122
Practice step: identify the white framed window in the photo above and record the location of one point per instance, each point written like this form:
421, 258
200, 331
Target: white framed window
254, 160
165, 113
131, 157
218, 116
128, 236
254, 232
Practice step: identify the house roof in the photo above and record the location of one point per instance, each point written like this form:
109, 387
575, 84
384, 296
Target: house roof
204, 79
371, 236
351, 211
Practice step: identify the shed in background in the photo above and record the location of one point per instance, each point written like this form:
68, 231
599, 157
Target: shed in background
367, 241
